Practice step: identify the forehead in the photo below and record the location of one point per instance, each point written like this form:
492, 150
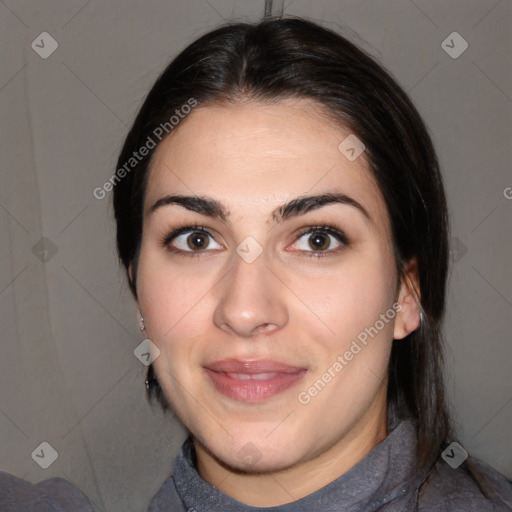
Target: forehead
259, 155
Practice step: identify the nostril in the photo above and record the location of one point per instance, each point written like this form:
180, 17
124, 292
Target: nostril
265, 327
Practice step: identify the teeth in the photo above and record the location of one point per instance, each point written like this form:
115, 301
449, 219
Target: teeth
252, 376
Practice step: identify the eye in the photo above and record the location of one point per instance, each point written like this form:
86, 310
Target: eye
320, 239
190, 239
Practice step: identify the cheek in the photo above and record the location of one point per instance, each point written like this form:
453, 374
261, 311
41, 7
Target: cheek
174, 314
352, 347
169, 294
350, 299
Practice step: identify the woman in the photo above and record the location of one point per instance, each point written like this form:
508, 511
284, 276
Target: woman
282, 221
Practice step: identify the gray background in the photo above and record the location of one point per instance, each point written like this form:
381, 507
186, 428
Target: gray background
68, 373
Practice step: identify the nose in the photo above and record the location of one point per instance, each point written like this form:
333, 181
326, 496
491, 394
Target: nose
251, 300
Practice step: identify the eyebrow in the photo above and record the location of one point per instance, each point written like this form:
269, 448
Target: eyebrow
305, 204
203, 205
298, 206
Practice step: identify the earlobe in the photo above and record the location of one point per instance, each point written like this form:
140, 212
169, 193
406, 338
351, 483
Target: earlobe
409, 297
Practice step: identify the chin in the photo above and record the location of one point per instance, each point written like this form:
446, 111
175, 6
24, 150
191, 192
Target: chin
258, 463
257, 456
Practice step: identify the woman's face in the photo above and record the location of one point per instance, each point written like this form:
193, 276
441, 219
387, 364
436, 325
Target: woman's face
267, 281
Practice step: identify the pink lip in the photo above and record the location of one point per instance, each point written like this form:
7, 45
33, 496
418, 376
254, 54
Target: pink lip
252, 381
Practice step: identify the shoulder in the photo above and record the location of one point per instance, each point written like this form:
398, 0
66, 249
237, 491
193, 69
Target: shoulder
454, 490
52, 495
167, 499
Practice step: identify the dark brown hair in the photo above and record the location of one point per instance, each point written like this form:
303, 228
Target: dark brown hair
294, 58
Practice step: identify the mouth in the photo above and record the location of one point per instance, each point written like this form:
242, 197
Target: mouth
252, 381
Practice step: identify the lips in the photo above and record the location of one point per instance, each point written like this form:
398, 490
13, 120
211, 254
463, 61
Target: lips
252, 381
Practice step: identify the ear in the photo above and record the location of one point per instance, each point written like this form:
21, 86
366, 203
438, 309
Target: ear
138, 310
132, 278
409, 296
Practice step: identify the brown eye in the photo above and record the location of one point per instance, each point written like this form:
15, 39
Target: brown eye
319, 241
190, 239
197, 240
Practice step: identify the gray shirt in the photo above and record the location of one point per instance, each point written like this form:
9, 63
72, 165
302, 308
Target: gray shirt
386, 480
52, 495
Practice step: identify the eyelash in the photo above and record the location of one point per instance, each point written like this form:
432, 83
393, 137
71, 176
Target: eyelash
337, 233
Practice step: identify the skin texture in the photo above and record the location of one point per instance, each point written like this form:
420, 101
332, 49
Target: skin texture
288, 305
